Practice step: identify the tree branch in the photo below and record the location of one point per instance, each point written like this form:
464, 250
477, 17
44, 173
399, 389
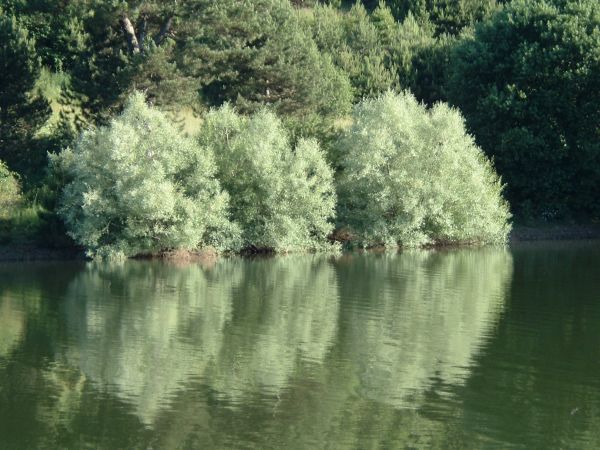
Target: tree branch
143, 32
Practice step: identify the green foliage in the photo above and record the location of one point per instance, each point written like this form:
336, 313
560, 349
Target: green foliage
412, 176
87, 41
138, 186
156, 73
354, 44
525, 74
421, 58
10, 191
447, 16
528, 83
56, 27
23, 226
257, 53
23, 221
378, 53
282, 198
21, 112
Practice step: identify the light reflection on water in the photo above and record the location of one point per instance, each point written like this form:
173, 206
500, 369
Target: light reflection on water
418, 349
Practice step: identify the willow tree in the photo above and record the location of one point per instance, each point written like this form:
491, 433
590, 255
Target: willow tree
282, 197
413, 176
139, 186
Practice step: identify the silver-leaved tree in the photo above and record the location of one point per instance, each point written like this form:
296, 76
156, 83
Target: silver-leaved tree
413, 176
282, 197
140, 186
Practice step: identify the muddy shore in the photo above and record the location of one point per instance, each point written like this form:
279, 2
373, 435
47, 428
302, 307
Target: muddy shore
554, 233
518, 234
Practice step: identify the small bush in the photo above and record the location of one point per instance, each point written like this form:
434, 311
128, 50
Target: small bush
139, 186
19, 219
282, 198
10, 191
413, 176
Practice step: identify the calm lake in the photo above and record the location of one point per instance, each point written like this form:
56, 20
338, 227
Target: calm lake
471, 348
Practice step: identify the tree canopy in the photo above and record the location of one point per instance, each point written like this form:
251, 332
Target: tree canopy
528, 82
523, 74
22, 112
413, 176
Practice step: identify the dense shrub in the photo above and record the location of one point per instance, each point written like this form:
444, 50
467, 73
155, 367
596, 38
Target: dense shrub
282, 198
139, 186
528, 83
20, 221
10, 191
412, 176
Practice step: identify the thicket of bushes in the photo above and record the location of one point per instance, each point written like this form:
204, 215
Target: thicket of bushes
139, 186
410, 177
10, 191
523, 73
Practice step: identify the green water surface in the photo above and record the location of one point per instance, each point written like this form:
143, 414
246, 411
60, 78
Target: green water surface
471, 348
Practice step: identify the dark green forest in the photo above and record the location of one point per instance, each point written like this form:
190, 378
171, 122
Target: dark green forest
517, 81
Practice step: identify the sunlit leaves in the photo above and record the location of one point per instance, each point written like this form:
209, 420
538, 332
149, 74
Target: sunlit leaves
413, 176
282, 197
140, 186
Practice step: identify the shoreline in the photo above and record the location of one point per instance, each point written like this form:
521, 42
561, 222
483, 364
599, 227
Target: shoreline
33, 252
522, 233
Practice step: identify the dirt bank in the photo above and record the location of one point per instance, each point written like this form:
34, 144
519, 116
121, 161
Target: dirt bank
554, 232
519, 234
37, 253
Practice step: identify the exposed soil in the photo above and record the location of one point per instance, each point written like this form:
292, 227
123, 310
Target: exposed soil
518, 234
555, 233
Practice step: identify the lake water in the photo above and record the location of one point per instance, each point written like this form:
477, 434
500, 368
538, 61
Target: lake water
472, 348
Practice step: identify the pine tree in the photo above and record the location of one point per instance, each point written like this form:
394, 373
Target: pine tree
257, 53
21, 111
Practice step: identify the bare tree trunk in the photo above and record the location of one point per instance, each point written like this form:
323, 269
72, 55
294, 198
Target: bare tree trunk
129, 31
164, 31
143, 32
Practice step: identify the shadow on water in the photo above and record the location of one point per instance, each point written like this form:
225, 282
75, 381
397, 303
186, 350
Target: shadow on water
537, 385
